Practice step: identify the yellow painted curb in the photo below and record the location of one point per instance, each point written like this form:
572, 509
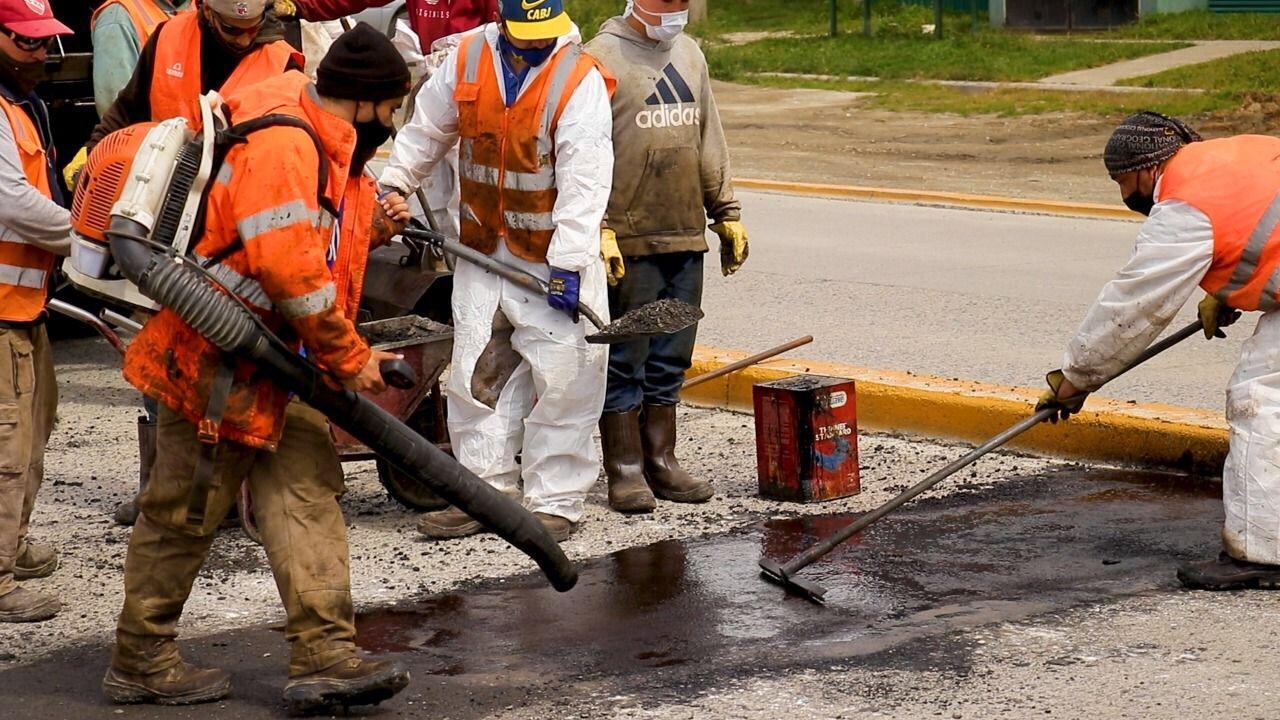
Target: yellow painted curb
897, 402
948, 199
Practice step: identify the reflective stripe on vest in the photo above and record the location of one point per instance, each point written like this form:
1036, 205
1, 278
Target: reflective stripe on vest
176, 79
235, 282
25, 268
23, 277
1252, 257
144, 14
507, 150
1235, 183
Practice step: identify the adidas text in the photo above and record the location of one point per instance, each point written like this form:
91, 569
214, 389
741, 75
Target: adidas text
669, 116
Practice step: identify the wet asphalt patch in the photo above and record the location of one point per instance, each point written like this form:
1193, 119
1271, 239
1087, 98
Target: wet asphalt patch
667, 621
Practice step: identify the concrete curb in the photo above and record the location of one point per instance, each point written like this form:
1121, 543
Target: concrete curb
897, 402
945, 199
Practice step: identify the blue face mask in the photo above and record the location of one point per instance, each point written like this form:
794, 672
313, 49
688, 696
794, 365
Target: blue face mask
532, 56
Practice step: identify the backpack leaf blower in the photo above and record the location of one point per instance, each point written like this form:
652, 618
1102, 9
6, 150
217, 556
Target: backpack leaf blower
138, 206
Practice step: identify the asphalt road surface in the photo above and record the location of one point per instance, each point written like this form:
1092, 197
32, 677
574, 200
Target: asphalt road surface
956, 293
915, 603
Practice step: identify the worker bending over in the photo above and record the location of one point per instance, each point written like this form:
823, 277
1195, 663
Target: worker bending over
1213, 216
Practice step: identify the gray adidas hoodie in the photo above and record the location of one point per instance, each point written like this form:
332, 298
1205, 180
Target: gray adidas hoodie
671, 161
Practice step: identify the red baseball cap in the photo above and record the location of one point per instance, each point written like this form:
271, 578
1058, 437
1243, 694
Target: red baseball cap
31, 18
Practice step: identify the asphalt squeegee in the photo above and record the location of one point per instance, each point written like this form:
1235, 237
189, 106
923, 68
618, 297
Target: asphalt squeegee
784, 574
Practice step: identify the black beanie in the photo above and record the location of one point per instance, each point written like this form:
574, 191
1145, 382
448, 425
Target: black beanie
1145, 140
362, 64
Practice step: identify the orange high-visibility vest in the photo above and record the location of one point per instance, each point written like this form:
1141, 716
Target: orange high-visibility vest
145, 14
25, 269
290, 284
507, 155
1235, 182
175, 81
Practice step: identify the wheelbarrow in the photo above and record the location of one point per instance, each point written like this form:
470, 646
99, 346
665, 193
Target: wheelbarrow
426, 345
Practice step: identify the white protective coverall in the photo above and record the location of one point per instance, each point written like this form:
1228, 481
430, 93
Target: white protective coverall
549, 408
1172, 255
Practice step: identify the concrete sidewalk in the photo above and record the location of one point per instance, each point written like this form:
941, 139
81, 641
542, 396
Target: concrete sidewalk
1201, 52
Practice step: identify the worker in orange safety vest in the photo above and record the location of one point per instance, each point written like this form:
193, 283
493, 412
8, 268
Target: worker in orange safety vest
217, 45
529, 111
294, 251
1213, 223
120, 30
35, 229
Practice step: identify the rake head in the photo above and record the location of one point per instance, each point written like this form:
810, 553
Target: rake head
774, 573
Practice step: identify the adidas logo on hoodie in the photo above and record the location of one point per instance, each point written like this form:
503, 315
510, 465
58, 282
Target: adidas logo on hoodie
671, 105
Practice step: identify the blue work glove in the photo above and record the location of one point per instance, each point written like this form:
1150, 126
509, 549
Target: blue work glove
562, 294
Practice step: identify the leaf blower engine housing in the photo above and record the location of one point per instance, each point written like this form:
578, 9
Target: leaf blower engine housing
170, 165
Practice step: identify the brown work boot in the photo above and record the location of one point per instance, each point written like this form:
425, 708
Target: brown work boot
661, 468
560, 528
34, 561
354, 681
623, 463
448, 524
23, 605
127, 513
181, 684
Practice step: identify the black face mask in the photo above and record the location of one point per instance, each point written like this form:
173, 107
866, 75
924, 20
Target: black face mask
1139, 203
21, 77
370, 135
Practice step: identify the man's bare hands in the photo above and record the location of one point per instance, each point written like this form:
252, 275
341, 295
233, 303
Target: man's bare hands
390, 219
370, 378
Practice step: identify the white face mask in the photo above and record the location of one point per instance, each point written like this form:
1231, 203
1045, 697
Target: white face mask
673, 23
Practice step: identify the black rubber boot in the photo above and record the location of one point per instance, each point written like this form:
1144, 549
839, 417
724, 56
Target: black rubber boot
1228, 573
127, 513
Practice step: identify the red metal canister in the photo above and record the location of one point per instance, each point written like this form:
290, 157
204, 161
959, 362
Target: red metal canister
807, 438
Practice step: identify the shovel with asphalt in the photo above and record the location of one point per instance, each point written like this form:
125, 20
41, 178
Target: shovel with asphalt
664, 317
784, 574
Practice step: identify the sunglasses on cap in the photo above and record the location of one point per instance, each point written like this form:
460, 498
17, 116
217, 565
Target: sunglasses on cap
234, 30
27, 44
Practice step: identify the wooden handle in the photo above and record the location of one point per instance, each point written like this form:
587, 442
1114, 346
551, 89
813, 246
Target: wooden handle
746, 362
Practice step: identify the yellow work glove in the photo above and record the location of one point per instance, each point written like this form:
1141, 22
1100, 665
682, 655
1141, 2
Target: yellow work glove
1066, 407
1216, 316
71, 173
285, 8
614, 267
733, 245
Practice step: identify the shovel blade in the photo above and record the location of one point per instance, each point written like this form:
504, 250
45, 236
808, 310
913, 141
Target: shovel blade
664, 317
774, 573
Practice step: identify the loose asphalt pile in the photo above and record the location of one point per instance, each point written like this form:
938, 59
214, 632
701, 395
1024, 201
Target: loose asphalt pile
92, 466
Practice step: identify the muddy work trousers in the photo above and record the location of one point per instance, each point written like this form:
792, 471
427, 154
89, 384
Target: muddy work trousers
28, 405
295, 495
651, 370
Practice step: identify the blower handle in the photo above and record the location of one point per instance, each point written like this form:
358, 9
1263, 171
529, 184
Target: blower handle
398, 373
